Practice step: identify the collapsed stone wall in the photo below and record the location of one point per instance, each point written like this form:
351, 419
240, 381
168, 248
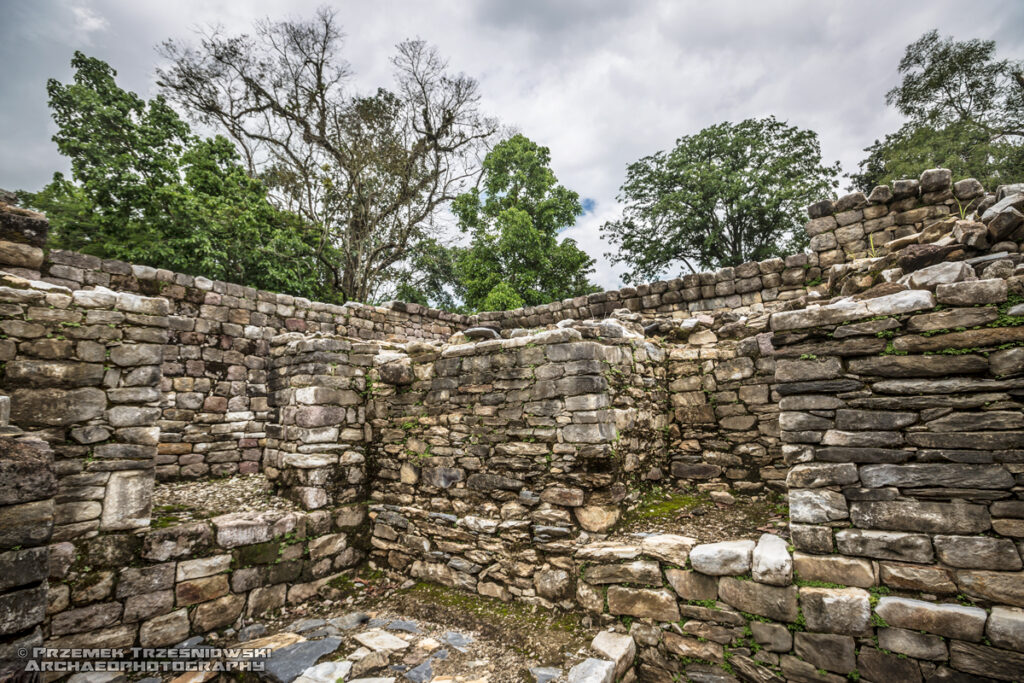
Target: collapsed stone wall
930, 210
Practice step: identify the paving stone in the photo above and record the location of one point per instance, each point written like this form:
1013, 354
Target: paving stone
289, 662
380, 641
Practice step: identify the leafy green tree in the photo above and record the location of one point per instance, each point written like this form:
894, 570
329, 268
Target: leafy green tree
965, 112
515, 257
729, 194
371, 171
148, 191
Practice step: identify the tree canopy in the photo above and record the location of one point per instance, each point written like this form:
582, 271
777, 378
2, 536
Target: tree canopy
729, 194
513, 218
371, 171
965, 112
146, 190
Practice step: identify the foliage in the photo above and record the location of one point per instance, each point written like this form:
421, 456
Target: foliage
729, 194
965, 112
148, 191
371, 171
515, 258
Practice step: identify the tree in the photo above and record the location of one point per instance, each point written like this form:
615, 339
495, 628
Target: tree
148, 191
371, 171
729, 194
965, 112
514, 257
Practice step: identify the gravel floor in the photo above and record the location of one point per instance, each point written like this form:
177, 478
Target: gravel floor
183, 501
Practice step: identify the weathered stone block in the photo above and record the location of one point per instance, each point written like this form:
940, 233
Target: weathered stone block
849, 571
724, 558
836, 610
165, 630
999, 587
771, 562
913, 644
769, 601
640, 571
948, 518
816, 506
643, 603
692, 585
886, 545
827, 651
201, 590
977, 552
953, 621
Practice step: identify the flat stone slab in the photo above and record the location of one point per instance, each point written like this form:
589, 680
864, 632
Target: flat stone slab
288, 663
328, 672
407, 626
350, 621
457, 640
593, 671
420, 674
381, 641
543, 674
303, 625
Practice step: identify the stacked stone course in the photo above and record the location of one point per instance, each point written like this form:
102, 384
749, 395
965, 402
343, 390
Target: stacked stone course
495, 458
27, 489
157, 587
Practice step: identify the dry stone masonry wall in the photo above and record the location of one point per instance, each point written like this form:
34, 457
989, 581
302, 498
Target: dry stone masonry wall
878, 382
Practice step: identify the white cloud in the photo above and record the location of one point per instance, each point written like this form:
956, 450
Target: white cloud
87, 21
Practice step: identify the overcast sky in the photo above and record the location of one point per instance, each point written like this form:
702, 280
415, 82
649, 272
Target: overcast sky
600, 82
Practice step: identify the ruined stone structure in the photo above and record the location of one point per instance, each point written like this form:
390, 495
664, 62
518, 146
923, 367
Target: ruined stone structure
878, 381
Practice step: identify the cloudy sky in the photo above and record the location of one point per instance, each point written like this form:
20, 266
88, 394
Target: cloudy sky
600, 82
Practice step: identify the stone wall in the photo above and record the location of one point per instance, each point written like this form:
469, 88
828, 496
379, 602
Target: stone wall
214, 375
958, 218
906, 435
500, 462
83, 371
27, 488
157, 587
724, 410
317, 442
493, 458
